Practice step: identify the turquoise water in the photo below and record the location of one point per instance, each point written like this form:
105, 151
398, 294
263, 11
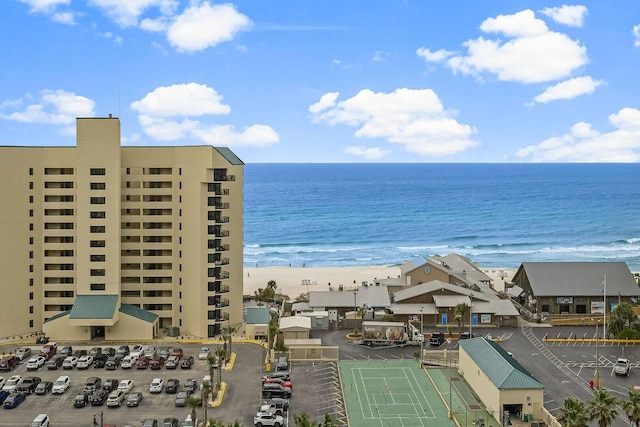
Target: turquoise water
495, 214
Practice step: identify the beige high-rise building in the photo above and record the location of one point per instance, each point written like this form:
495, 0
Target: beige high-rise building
100, 240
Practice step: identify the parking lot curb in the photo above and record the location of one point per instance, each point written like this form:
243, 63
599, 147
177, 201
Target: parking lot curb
218, 400
232, 361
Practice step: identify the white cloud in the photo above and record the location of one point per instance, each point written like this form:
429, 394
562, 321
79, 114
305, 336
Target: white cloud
116, 38
154, 25
52, 8
205, 25
572, 16
584, 144
380, 56
531, 52
374, 153
190, 99
127, 12
413, 118
569, 89
636, 34
55, 107
166, 114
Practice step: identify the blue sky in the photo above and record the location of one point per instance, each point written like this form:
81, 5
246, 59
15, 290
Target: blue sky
332, 80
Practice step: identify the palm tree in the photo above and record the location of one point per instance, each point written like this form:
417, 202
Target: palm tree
206, 391
212, 361
603, 408
459, 314
328, 421
632, 407
273, 329
192, 403
573, 413
302, 420
220, 354
621, 318
230, 338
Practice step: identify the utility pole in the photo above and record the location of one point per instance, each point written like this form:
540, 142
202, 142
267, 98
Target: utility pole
597, 359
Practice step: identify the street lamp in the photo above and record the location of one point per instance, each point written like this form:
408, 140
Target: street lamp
95, 420
421, 320
449, 363
355, 308
597, 359
470, 315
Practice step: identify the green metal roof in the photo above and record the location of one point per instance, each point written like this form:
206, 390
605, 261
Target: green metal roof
502, 369
137, 312
229, 155
257, 315
94, 307
57, 316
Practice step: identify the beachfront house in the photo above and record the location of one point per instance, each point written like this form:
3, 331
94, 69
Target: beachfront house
574, 289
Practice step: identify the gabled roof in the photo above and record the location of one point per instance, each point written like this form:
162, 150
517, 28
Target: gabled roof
414, 309
434, 285
460, 264
94, 307
412, 264
257, 315
295, 322
372, 296
138, 313
578, 278
503, 370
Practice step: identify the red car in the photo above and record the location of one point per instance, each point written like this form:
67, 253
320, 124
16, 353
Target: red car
142, 363
280, 381
157, 362
176, 351
8, 363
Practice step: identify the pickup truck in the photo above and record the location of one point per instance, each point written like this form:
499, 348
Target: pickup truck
622, 367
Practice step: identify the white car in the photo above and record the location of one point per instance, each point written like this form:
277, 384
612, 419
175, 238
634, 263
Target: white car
157, 385
136, 351
35, 363
70, 362
84, 362
61, 385
125, 385
116, 397
268, 419
204, 353
150, 351
128, 362
12, 383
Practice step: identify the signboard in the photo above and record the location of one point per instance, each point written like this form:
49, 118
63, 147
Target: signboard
597, 307
485, 318
564, 300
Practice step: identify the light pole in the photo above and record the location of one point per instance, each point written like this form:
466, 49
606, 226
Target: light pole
449, 363
95, 421
421, 320
355, 308
470, 316
597, 359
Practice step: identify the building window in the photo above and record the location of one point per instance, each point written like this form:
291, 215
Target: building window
98, 287
97, 243
30, 171
30, 227
98, 258
30, 309
98, 186
30, 212
97, 228
31, 269
30, 199
30, 185
31, 240
180, 308
30, 295
31, 323
98, 200
98, 171
30, 254
97, 272
98, 214
31, 281
545, 308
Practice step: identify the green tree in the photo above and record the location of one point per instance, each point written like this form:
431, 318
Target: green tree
632, 407
212, 361
272, 329
206, 391
230, 338
573, 413
192, 403
220, 354
459, 314
302, 420
621, 318
328, 421
603, 408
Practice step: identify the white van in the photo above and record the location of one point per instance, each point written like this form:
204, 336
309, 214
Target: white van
41, 420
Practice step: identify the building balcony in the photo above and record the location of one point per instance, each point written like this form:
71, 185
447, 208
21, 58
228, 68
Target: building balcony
223, 261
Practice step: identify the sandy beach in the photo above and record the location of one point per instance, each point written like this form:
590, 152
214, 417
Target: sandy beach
292, 281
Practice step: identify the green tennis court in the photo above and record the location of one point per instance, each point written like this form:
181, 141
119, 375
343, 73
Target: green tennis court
391, 393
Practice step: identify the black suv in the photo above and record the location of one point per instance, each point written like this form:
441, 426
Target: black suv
100, 360
113, 362
111, 385
92, 384
81, 400
28, 385
98, 397
437, 338
270, 390
172, 386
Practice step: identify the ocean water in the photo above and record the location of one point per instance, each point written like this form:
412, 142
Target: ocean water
498, 215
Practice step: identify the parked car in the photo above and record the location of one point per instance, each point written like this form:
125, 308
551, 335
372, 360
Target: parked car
268, 419
157, 362
84, 362
3, 395
92, 384
42, 420
128, 362
172, 386
281, 374
66, 351
137, 351
111, 384
109, 351
79, 353
81, 400
177, 351
11, 384
150, 422
49, 350
7, 363
275, 390
172, 362
186, 362
61, 384
466, 336
94, 351
123, 350
42, 339
156, 386
280, 381
55, 363
35, 363
283, 364
13, 400
437, 339
170, 422
204, 353
134, 399
275, 405
28, 385
116, 398
23, 353
100, 360
150, 351
142, 363
113, 362
70, 362
190, 385
98, 397
44, 387
181, 398
164, 352
125, 385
